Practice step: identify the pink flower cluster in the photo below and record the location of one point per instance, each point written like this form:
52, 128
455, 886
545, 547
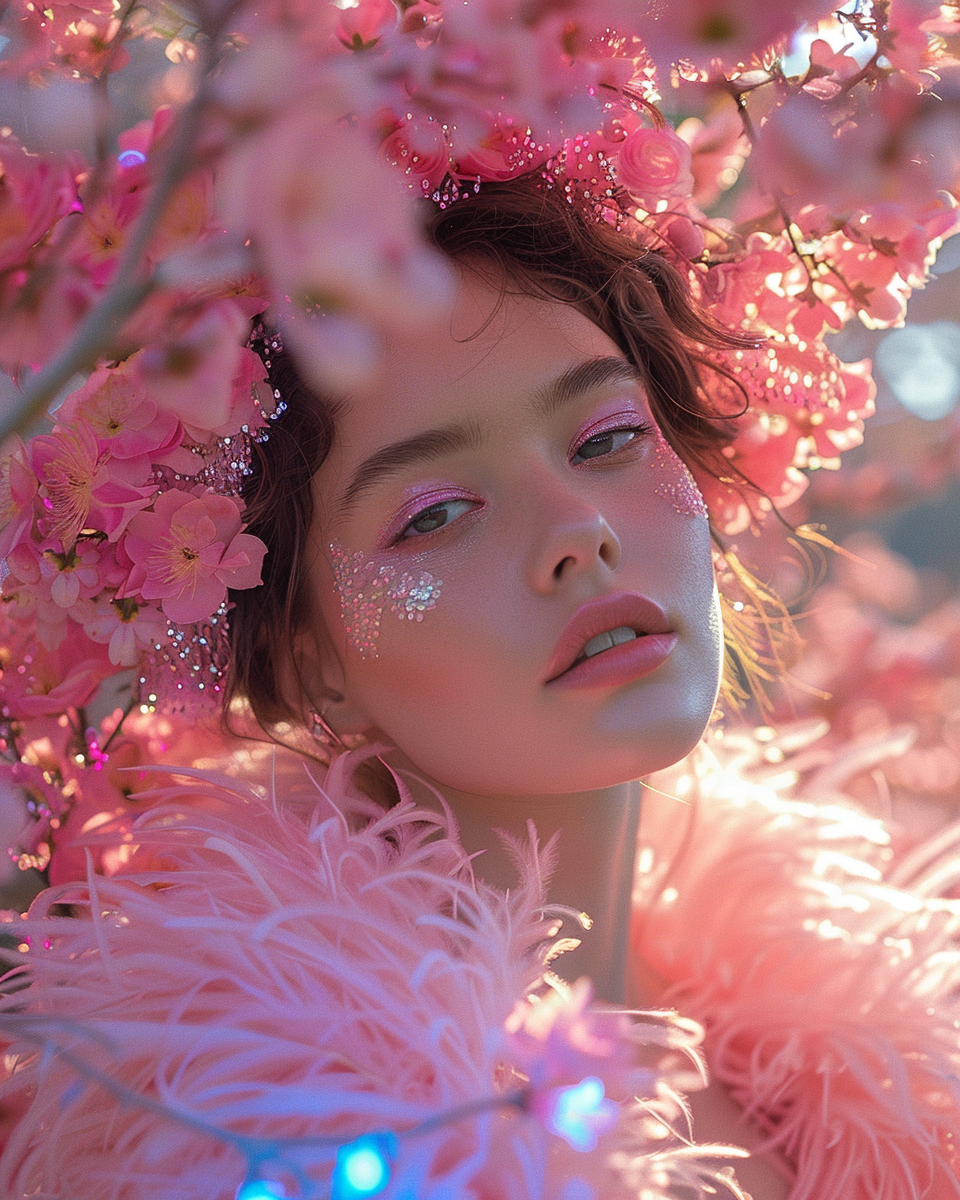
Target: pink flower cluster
843, 176
83, 37
109, 528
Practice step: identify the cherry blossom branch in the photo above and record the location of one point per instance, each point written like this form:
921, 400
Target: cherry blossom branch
126, 292
781, 209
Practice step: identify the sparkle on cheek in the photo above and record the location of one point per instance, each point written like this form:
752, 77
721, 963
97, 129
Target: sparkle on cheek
681, 487
366, 588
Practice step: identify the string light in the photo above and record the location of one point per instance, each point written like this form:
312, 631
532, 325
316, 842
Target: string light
363, 1166
579, 1114
260, 1189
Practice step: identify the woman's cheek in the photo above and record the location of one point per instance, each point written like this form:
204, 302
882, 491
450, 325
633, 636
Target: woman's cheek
675, 482
369, 587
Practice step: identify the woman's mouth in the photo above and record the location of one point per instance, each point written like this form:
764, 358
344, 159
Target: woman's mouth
611, 641
606, 641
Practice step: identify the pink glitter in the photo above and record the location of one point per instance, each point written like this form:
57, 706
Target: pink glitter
681, 487
366, 589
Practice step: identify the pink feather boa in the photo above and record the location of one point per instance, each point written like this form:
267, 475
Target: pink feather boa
282, 970
825, 968
320, 966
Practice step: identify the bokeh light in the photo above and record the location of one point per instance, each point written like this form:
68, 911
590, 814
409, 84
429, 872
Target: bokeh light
921, 364
260, 1189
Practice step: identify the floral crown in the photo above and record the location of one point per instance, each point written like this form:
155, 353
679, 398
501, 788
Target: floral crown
285, 177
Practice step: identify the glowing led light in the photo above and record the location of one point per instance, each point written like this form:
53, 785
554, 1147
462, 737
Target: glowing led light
363, 1167
260, 1189
581, 1113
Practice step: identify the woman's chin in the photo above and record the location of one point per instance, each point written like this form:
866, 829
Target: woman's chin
554, 770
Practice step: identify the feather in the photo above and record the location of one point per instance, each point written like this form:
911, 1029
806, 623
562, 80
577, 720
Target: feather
290, 972
829, 997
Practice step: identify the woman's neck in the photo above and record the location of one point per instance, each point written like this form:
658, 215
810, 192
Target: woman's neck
596, 852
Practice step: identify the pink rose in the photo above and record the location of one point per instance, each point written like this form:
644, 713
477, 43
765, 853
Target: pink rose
188, 551
655, 165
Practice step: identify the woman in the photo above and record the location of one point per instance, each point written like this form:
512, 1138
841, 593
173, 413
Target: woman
492, 566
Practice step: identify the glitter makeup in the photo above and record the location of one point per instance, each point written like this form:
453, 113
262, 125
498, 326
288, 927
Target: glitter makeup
680, 487
366, 589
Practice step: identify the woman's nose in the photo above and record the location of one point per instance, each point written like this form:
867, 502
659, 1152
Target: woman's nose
570, 536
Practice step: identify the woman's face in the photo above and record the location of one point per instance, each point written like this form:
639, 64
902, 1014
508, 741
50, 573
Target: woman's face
504, 483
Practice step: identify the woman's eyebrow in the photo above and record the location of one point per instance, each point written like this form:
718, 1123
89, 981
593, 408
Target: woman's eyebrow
572, 383
422, 447
585, 377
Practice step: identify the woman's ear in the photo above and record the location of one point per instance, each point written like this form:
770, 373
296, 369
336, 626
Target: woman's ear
313, 679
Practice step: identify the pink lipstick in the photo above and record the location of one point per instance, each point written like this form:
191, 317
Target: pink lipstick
596, 649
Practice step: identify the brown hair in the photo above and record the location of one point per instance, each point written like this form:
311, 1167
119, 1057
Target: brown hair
546, 247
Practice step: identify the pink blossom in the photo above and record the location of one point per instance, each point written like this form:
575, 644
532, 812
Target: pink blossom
143, 136
38, 681
718, 149
107, 217
188, 551
72, 574
37, 320
123, 416
72, 37
684, 235
655, 165
205, 378
186, 219
18, 487
828, 69
330, 249
361, 27
703, 31
126, 627
857, 150
110, 212
82, 486
27, 602
35, 192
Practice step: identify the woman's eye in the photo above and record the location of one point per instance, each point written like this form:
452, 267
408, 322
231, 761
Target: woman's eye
608, 443
436, 516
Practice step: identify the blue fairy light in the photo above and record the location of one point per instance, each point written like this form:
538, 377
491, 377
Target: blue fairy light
259, 1189
131, 158
363, 1166
580, 1113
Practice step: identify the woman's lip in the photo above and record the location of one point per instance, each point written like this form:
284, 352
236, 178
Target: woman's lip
620, 664
600, 616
